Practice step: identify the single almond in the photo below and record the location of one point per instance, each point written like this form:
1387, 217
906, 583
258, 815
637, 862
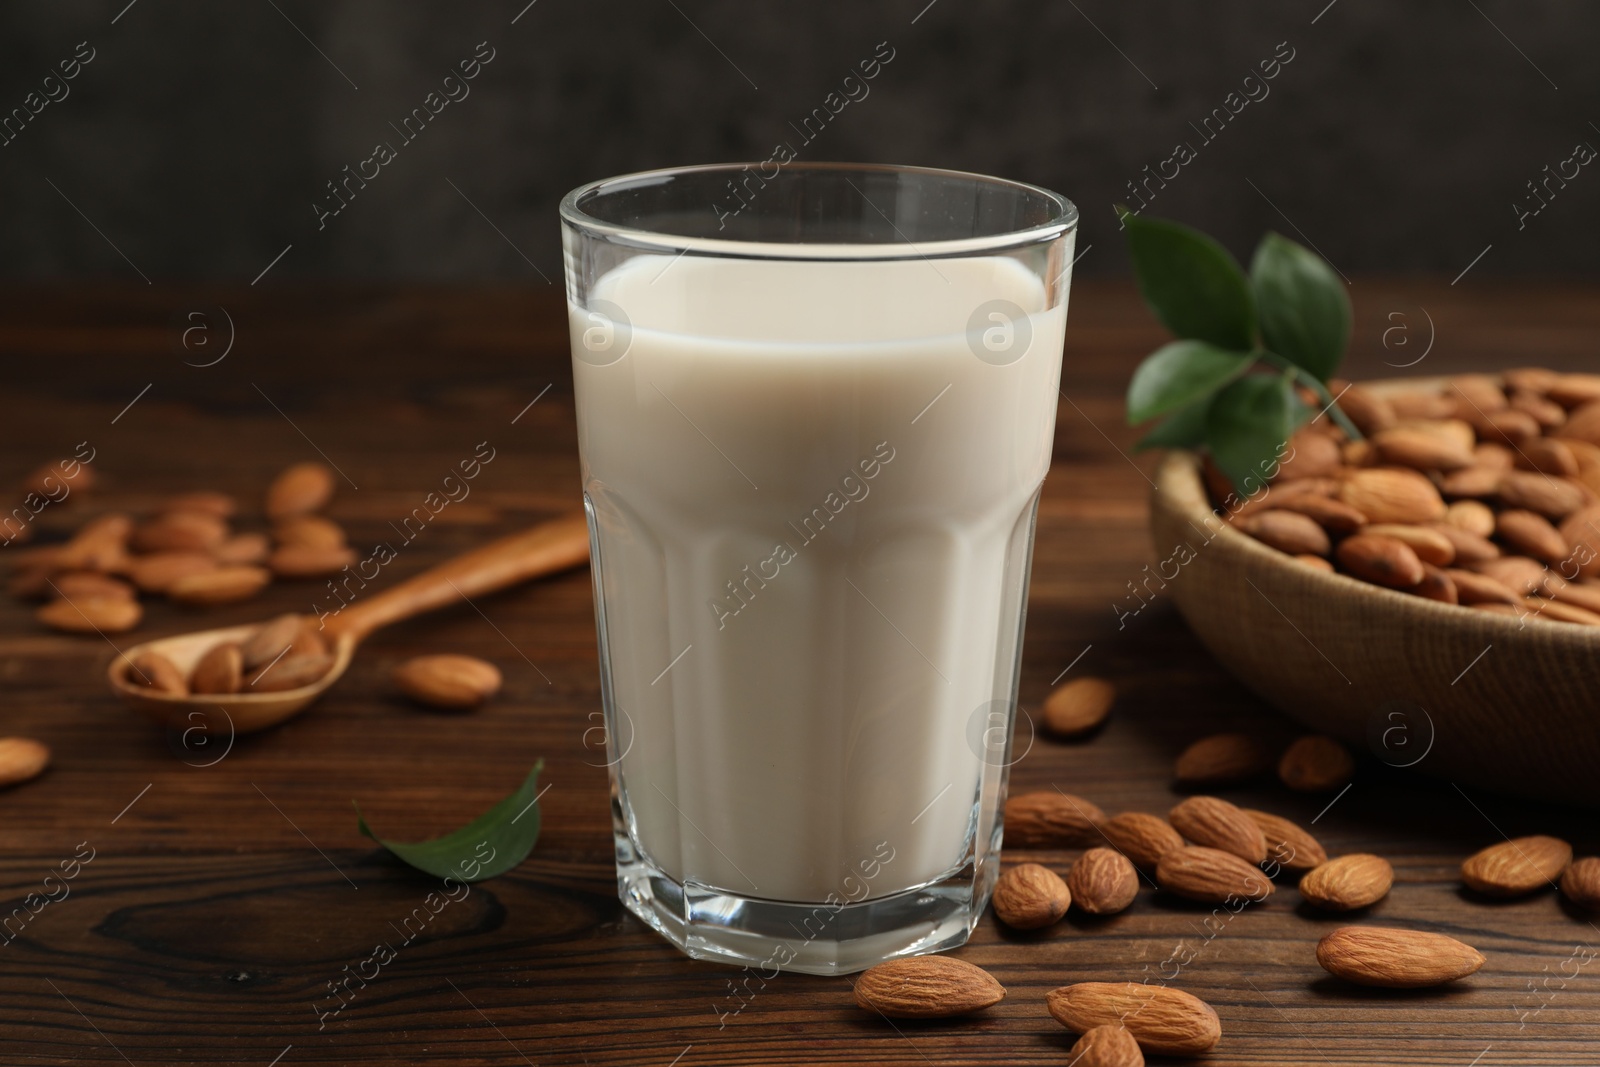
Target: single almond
153, 671
224, 585
1473, 516
1472, 482
1287, 531
1311, 454
181, 531
1429, 544
1421, 404
221, 505
1532, 535
1143, 838
1392, 494
1215, 823
100, 545
1533, 379
1160, 1018
1348, 882
156, 572
1420, 450
220, 670
1102, 881
1518, 573
1513, 427
1516, 867
1475, 588
1079, 706
1316, 563
87, 615
1316, 764
1573, 390
1395, 959
1580, 883
1548, 456
1560, 611
1436, 585
270, 641
313, 531
21, 759
1030, 897
299, 489
1050, 819
927, 987
1469, 547
1332, 515
448, 681
1478, 392
1583, 424
306, 561
1382, 560
1546, 412
76, 584
1288, 845
244, 548
1221, 759
291, 672
1370, 412
1554, 498
1493, 455
1110, 1045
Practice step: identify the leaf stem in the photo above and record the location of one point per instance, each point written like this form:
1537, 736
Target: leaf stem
1315, 385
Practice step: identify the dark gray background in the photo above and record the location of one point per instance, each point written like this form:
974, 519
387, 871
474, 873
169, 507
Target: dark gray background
196, 141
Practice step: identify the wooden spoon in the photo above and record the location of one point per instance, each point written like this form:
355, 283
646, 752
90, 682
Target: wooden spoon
545, 549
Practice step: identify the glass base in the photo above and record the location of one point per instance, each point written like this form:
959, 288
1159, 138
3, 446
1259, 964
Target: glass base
823, 938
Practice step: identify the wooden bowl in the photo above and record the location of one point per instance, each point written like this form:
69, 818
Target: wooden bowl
1469, 696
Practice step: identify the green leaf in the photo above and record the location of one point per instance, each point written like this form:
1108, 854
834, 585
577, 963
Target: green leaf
1247, 427
1304, 308
1184, 428
491, 844
1179, 373
1193, 285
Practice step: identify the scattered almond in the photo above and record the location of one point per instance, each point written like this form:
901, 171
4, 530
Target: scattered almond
301, 488
221, 505
1395, 959
1517, 867
100, 545
1291, 847
312, 531
1050, 819
87, 615
1215, 823
21, 759
1143, 838
1349, 882
1106, 1046
181, 531
220, 670
156, 572
1160, 1018
927, 987
1079, 706
244, 548
448, 681
1221, 759
1580, 883
223, 585
79, 584
1211, 875
307, 561
1316, 764
1102, 881
1030, 897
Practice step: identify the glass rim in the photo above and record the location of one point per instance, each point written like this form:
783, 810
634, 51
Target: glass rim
644, 239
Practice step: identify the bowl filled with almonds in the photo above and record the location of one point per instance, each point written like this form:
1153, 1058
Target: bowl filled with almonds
1429, 589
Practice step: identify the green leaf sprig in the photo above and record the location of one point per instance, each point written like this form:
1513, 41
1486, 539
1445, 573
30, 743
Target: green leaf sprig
1244, 344
491, 844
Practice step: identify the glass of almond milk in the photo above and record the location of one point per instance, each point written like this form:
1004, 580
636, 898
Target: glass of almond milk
815, 409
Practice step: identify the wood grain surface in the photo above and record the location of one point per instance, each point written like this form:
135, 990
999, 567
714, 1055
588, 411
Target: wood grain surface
229, 886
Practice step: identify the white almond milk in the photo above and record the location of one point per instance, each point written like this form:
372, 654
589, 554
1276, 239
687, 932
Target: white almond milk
807, 547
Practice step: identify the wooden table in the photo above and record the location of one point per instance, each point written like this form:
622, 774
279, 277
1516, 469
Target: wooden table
222, 899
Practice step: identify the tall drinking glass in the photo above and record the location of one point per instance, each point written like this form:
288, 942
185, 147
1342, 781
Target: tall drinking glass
815, 409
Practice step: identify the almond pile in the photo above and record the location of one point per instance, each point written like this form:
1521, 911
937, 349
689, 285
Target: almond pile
1483, 492
286, 653
187, 551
